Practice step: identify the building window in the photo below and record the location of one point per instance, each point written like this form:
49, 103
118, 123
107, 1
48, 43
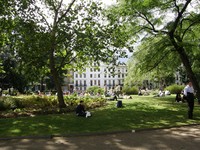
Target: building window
98, 82
119, 82
95, 75
95, 82
98, 75
84, 82
84, 75
90, 69
80, 75
76, 82
91, 83
90, 75
118, 75
122, 75
104, 75
105, 82
76, 75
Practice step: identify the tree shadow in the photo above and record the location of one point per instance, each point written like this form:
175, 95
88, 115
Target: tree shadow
174, 138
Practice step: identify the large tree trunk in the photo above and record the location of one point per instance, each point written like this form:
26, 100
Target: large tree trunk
53, 69
176, 41
57, 83
190, 73
186, 62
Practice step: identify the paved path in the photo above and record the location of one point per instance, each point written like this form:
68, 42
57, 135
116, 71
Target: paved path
183, 138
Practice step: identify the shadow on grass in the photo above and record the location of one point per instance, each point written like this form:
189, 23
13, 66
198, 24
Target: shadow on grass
151, 140
149, 113
139, 115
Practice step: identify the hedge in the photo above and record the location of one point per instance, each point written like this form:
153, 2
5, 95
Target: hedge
174, 89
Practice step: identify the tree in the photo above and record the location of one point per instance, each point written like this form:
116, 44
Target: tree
173, 23
56, 36
149, 62
9, 75
16, 66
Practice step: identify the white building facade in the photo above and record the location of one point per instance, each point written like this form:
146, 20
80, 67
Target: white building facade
101, 76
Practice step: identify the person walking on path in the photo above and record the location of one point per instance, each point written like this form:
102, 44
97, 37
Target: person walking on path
189, 93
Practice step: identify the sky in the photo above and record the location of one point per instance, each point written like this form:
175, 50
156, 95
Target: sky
108, 2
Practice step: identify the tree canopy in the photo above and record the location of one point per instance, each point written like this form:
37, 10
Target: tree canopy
167, 31
58, 36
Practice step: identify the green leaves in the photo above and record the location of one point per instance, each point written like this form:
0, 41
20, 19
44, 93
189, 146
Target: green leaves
164, 29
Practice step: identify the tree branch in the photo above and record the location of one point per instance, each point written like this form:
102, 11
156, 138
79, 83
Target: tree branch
180, 14
63, 60
152, 27
188, 28
159, 61
177, 7
68, 9
60, 4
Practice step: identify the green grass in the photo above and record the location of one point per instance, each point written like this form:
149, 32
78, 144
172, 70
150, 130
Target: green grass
137, 113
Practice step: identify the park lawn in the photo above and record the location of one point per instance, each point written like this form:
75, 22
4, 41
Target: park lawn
141, 112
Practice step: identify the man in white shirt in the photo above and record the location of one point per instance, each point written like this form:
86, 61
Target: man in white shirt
189, 94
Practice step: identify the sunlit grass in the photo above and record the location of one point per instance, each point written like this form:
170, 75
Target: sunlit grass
138, 113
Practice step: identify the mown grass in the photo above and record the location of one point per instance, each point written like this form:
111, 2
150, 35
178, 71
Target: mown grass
141, 112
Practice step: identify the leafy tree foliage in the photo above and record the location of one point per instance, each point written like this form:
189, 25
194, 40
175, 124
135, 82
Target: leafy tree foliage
58, 36
12, 77
168, 30
15, 68
149, 63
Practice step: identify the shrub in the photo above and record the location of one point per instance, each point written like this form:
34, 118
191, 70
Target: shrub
130, 90
2, 106
9, 103
174, 89
95, 90
38, 101
89, 101
154, 92
46, 104
5, 92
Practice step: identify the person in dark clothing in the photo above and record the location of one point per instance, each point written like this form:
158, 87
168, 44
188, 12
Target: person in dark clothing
178, 97
80, 109
189, 93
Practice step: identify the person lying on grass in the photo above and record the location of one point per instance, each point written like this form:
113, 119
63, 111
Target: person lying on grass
80, 110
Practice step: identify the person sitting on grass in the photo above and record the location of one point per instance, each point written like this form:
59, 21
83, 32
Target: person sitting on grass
80, 110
